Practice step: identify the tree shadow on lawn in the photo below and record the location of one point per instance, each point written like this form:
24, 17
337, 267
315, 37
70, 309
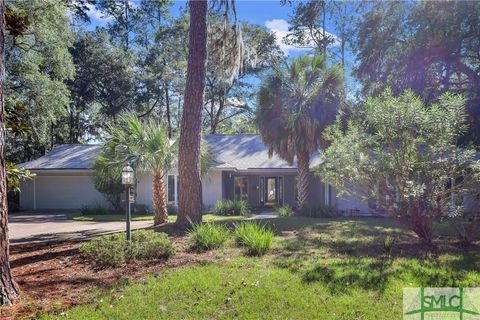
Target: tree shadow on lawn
353, 256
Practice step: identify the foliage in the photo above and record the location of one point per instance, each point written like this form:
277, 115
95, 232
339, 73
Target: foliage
114, 250
295, 104
255, 238
318, 210
107, 179
207, 236
284, 211
95, 209
146, 147
142, 209
388, 243
308, 26
172, 210
15, 175
466, 223
429, 47
404, 155
231, 100
231, 207
38, 64
93, 106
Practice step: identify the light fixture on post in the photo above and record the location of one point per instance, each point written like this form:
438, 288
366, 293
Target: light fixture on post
127, 181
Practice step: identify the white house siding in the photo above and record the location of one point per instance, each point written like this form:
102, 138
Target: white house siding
49, 190
347, 204
211, 189
144, 189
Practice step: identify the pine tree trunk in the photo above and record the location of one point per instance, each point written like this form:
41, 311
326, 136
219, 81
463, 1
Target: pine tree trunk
159, 198
190, 202
303, 179
8, 288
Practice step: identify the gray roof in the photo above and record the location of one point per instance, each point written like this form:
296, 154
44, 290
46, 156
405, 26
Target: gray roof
231, 151
66, 156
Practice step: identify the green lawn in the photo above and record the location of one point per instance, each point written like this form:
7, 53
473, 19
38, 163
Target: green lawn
121, 217
317, 269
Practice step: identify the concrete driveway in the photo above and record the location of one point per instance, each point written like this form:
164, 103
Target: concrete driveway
31, 227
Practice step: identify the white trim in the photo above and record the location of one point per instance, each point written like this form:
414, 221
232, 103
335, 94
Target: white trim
175, 183
34, 195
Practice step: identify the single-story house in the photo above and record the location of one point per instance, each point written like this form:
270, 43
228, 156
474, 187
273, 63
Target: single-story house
242, 170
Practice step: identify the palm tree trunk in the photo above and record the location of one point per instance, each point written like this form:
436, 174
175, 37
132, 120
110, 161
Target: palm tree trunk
303, 179
159, 198
8, 288
190, 204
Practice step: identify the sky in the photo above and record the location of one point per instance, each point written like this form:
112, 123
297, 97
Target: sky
268, 13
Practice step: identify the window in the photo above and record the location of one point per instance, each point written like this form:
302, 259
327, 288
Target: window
240, 185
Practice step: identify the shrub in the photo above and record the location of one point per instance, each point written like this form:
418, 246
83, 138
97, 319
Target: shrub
141, 209
284, 211
172, 210
256, 239
318, 210
113, 249
388, 243
95, 209
231, 207
207, 236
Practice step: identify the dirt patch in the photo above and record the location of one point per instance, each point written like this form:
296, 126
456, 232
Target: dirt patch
54, 277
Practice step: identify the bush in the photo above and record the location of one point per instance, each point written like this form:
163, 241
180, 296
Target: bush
141, 209
172, 210
318, 210
113, 250
95, 209
284, 211
388, 243
231, 207
207, 236
256, 239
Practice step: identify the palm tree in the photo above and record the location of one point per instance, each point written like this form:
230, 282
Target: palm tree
146, 147
295, 104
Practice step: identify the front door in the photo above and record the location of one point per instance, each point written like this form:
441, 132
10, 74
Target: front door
271, 189
270, 192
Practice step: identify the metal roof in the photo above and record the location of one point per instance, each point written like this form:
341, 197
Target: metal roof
231, 151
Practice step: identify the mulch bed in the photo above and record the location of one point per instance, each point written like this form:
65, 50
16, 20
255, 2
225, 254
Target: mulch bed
54, 277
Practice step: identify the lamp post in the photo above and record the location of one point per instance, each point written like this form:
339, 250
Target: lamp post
127, 181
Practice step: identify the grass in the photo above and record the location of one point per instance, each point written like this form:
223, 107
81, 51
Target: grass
121, 217
255, 238
207, 236
335, 268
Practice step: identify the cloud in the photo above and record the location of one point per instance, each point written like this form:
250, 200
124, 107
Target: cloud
96, 16
280, 28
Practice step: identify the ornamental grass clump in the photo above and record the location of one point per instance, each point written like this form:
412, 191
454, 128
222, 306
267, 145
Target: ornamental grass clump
231, 208
207, 236
284, 211
256, 239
